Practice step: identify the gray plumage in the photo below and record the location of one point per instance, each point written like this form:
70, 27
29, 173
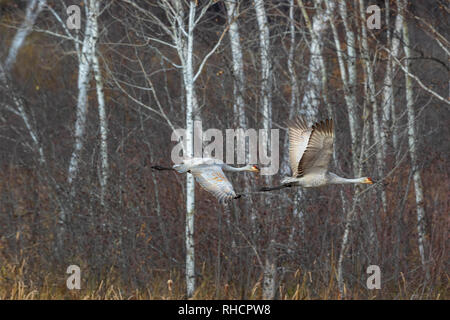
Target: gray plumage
310, 153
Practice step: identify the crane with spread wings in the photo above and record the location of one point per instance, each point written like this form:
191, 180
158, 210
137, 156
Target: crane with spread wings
310, 152
208, 172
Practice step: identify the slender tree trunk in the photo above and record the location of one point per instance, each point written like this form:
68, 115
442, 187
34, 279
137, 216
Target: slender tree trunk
350, 90
348, 77
84, 69
185, 47
266, 64
380, 156
238, 64
350, 217
312, 94
284, 168
190, 186
34, 7
104, 171
389, 119
412, 138
103, 122
266, 106
240, 119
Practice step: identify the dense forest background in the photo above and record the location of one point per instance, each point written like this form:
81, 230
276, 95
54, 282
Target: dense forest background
85, 113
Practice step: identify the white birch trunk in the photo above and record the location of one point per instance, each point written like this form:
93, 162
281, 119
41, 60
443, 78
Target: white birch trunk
387, 87
184, 43
412, 138
373, 101
239, 103
185, 50
388, 110
348, 77
350, 93
284, 168
266, 106
34, 7
266, 65
238, 64
21, 112
84, 68
312, 94
103, 122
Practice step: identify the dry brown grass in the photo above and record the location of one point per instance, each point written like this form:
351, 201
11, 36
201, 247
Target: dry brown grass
302, 286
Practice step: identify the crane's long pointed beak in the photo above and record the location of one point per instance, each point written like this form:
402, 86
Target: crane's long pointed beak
368, 181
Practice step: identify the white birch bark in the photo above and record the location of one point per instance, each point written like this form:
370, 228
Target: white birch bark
182, 36
412, 138
348, 77
190, 186
388, 100
21, 112
84, 71
380, 156
184, 41
103, 123
266, 65
312, 94
284, 168
84, 67
350, 71
291, 64
266, 106
238, 64
34, 7
240, 119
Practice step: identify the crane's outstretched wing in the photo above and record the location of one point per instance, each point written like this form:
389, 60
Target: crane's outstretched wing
213, 180
299, 134
319, 150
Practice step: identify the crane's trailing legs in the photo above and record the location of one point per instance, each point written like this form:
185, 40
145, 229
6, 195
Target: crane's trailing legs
275, 188
162, 168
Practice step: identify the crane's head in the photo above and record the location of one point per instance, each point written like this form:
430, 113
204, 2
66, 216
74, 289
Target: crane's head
368, 180
254, 168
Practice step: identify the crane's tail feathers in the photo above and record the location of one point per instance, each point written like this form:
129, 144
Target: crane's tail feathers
161, 168
228, 199
275, 188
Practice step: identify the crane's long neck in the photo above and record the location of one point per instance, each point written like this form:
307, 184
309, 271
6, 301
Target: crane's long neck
226, 167
335, 179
